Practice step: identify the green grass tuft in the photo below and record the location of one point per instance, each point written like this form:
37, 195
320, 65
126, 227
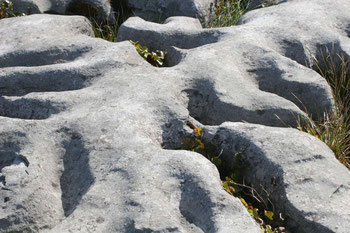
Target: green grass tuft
226, 13
334, 127
108, 30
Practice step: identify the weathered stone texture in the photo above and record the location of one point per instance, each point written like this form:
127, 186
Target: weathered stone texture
89, 129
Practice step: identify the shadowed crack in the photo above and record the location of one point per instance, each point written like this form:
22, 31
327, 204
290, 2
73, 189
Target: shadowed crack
76, 178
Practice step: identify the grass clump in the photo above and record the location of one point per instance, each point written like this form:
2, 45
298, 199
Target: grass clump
108, 30
260, 208
105, 29
334, 127
226, 13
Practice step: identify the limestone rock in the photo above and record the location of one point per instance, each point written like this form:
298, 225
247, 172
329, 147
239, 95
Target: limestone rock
89, 129
298, 171
81, 140
95, 8
153, 10
157, 11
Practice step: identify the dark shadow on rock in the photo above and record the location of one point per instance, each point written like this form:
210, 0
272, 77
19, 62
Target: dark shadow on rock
44, 57
10, 147
295, 51
77, 7
206, 107
333, 49
308, 97
121, 10
173, 133
270, 177
195, 204
27, 109
76, 178
22, 82
11, 144
159, 40
131, 228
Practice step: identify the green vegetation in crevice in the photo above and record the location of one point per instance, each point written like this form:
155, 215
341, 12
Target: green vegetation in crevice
260, 208
334, 127
154, 58
226, 13
108, 30
6, 10
103, 28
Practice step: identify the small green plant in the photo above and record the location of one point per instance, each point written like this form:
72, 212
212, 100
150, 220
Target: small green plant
261, 209
196, 144
334, 127
107, 29
154, 58
6, 10
226, 13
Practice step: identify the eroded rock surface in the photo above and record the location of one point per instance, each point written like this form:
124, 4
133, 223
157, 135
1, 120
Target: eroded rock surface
89, 129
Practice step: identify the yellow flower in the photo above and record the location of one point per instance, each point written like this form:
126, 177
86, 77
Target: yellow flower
269, 214
197, 131
244, 203
200, 144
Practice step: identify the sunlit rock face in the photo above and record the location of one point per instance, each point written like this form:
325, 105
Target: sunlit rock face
157, 11
90, 132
